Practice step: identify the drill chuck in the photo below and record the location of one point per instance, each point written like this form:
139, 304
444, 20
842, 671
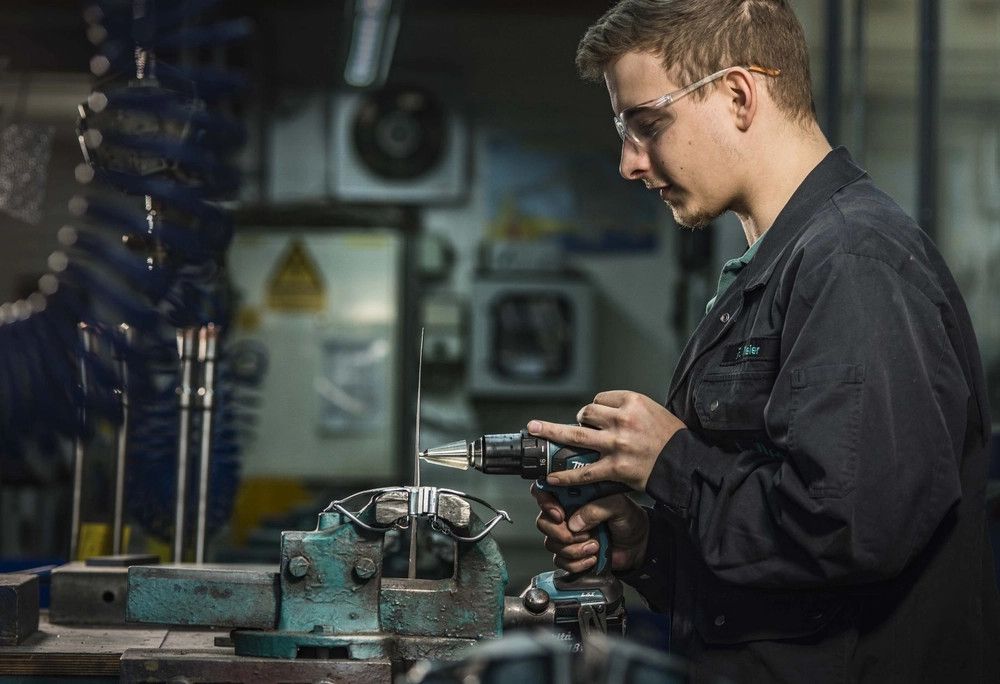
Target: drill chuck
519, 453
515, 453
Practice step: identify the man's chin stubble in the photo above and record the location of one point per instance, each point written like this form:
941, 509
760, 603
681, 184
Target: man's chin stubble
695, 221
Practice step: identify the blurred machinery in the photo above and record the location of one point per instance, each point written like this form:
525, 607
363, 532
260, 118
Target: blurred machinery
95, 343
127, 329
151, 130
402, 144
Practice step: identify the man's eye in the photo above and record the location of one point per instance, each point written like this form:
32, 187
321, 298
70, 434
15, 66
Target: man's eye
646, 126
650, 126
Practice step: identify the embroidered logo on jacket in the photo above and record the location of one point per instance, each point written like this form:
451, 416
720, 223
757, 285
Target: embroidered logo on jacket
753, 349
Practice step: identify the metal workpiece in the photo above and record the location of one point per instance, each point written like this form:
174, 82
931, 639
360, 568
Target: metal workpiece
205, 595
18, 607
396, 505
92, 592
420, 503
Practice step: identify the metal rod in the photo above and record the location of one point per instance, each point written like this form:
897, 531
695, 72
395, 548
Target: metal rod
185, 349
416, 431
207, 346
79, 448
927, 116
412, 574
117, 537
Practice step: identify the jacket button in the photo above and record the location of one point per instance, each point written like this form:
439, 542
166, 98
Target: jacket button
724, 317
720, 620
714, 405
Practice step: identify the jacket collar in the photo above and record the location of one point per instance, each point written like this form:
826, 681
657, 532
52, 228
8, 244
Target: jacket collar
833, 173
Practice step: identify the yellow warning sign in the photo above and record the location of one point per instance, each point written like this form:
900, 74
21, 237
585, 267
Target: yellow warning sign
296, 284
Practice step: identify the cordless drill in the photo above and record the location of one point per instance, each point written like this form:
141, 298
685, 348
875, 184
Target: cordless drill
594, 596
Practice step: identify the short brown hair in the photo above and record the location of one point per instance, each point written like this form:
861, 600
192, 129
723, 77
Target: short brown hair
699, 37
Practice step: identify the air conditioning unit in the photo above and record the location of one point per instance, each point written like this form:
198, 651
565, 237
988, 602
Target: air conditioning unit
401, 144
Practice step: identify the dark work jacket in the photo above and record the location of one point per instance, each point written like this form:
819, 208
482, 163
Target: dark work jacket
822, 519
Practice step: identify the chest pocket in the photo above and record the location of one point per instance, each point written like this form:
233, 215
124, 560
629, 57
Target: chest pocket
733, 400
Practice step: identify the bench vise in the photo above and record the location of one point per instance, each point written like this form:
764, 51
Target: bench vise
329, 598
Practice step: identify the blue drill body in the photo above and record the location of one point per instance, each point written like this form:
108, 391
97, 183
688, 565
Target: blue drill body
534, 458
572, 498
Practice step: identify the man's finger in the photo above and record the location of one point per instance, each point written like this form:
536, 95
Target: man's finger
542, 496
591, 515
548, 503
559, 531
572, 551
599, 471
596, 416
574, 566
612, 398
573, 435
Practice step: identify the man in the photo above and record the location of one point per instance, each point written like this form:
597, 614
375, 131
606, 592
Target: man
818, 468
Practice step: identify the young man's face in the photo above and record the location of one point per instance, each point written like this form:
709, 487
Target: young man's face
685, 158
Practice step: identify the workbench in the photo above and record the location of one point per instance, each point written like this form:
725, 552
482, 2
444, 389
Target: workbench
136, 654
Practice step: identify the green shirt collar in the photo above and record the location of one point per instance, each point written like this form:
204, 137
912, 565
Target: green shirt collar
731, 269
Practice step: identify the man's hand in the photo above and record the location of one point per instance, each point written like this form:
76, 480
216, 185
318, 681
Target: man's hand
628, 429
574, 550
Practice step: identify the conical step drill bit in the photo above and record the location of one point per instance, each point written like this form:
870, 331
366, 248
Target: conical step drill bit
451, 455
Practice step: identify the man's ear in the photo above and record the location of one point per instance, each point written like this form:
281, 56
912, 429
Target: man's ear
741, 89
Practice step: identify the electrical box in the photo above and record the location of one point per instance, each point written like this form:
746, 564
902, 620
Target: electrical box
532, 336
323, 309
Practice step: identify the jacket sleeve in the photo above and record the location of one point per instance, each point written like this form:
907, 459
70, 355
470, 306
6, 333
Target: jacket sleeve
650, 580
867, 418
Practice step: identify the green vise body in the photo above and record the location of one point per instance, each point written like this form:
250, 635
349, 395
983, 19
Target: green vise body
330, 599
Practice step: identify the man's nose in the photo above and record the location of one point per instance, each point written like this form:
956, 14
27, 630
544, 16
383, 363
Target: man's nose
634, 161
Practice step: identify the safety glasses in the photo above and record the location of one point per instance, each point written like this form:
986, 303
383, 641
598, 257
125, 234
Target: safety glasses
642, 122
